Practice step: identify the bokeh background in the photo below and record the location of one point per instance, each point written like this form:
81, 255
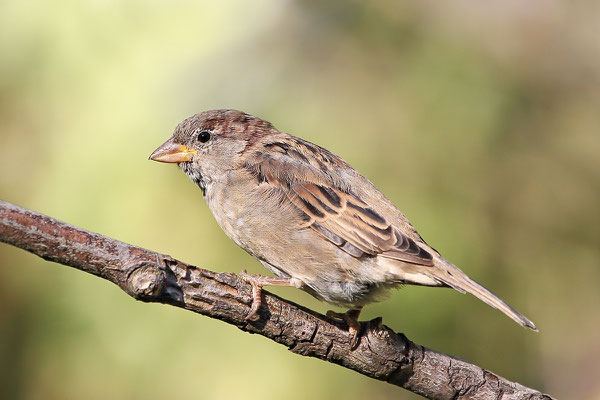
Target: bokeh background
480, 120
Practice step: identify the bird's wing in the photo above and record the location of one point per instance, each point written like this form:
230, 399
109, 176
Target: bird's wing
300, 171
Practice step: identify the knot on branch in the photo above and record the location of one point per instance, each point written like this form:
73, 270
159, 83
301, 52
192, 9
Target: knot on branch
146, 281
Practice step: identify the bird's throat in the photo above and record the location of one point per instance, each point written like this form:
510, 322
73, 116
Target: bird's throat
194, 175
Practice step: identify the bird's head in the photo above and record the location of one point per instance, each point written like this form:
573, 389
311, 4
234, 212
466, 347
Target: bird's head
209, 144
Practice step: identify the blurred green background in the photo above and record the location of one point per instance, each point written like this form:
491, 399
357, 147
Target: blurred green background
480, 120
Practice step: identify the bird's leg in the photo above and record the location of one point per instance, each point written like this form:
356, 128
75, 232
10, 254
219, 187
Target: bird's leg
257, 282
351, 318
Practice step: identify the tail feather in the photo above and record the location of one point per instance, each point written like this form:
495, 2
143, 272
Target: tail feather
456, 279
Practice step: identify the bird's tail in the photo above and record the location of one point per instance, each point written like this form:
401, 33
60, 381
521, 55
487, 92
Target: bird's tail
452, 276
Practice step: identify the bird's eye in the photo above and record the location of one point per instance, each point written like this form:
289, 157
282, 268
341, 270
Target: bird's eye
204, 136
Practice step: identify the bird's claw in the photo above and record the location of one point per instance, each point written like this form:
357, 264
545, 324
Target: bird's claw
256, 293
351, 319
257, 282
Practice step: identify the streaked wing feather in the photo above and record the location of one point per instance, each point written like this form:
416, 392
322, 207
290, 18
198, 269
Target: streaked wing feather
336, 214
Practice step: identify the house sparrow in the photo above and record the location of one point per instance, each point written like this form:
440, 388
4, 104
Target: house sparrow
307, 216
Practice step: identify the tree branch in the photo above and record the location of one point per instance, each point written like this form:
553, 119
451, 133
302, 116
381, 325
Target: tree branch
153, 277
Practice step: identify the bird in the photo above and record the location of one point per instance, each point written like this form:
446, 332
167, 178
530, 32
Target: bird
308, 217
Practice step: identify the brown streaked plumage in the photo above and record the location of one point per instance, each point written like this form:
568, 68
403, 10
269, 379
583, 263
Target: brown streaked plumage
307, 216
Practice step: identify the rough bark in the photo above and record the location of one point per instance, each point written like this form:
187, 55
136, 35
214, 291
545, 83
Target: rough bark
153, 277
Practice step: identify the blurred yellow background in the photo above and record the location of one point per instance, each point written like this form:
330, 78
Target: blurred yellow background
480, 120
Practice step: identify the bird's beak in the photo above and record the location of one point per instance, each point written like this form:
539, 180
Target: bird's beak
171, 152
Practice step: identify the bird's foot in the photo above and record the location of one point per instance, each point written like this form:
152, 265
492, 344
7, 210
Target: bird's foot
258, 281
351, 318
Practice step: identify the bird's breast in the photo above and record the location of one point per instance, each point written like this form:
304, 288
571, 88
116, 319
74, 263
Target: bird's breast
251, 216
